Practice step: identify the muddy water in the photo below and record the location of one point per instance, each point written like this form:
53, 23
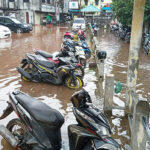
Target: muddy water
116, 63
13, 50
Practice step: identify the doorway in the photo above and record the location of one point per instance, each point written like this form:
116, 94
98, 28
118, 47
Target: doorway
27, 17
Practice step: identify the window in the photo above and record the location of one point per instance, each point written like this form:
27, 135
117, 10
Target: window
43, 1
86, 2
96, 2
11, 0
26, 1
8, 21
1, 20
48, 1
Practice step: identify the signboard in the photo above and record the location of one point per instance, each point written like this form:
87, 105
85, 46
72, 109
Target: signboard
73, 5
47, 8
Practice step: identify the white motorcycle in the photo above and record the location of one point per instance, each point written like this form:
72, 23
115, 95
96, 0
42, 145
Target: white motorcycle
80, 55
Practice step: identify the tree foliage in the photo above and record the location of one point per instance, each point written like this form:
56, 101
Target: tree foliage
123, 10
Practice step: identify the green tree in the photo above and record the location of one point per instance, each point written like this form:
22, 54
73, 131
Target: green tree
123, 10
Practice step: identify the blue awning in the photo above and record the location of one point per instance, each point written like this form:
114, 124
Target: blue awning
106, 8
90, 8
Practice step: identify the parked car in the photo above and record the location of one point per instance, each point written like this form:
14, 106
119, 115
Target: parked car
4, 32
78, 23
14, 25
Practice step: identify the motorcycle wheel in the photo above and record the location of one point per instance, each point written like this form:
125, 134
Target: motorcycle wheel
29, 70
16, 127
69, 82
80, 71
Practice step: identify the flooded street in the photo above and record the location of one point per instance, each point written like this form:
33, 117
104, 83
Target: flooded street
117, 61
13, 50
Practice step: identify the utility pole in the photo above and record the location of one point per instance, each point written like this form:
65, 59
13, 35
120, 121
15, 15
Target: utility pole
80, 8
134, 51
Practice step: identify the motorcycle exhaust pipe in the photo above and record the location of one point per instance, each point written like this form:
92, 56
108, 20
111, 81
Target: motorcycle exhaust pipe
7, 135
24, 73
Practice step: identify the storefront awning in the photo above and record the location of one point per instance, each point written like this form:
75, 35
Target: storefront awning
90, 8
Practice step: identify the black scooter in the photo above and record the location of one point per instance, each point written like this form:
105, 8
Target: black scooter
38, 126
38, 69
62, 58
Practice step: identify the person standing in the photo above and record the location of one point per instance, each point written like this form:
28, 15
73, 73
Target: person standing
49, 20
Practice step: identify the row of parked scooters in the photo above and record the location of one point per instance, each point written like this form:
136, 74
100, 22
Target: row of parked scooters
146, 44
64, 67
124, 32
38, 126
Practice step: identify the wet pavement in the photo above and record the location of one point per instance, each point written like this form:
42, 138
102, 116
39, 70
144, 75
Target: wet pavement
13, 50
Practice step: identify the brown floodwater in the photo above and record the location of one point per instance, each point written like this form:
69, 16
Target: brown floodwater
13, 50
116, 63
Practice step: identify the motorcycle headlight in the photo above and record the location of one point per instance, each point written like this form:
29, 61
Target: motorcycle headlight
102, 131
85, 116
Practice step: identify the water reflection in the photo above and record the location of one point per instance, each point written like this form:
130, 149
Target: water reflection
5, 44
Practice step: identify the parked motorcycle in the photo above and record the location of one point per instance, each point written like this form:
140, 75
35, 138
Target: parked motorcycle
70, 34
147, 43
71, 46
114, 27
128, 37
80, 55
38, 125
38, 69
81, 34
60, 59
123, 31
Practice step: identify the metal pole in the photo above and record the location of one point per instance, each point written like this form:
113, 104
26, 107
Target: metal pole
135, 43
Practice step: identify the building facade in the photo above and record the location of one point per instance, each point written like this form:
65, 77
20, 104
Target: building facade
29, 11
97, 3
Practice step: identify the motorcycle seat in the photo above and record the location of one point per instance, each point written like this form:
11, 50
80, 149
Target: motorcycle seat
44, 62
45, 54
39, 110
